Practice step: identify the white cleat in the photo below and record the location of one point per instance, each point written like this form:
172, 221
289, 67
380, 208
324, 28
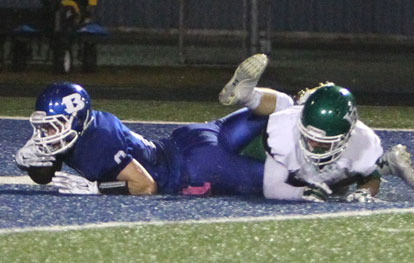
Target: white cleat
244, 80
397, 161
303, 95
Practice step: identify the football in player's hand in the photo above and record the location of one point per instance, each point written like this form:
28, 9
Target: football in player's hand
43, 175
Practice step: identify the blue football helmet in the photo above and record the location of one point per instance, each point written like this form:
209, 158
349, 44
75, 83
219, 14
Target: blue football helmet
62, 113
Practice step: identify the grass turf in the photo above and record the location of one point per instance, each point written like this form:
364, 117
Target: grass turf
379, 238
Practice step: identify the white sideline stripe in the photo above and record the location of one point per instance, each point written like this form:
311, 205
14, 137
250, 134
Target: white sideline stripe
60, 228
16, 180
13, 117
126, 121
179, 122
396, 230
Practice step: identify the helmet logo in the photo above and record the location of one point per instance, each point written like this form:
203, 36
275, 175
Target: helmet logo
350, 116
73, 103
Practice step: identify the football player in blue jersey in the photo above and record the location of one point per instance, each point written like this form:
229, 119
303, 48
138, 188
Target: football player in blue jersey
196, 159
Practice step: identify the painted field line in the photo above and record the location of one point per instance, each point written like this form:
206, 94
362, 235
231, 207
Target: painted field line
16, 180
125, 121
60, 228
13, 117
396, 230
182, 122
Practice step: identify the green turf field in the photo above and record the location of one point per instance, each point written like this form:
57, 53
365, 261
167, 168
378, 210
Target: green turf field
378, 238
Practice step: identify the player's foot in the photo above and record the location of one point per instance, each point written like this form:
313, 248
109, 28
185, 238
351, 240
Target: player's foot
398, 161
244, 80
303, 95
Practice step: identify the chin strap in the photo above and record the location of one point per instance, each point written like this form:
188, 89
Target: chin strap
86, 124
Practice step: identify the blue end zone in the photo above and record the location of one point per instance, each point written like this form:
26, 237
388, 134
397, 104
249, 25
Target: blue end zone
35, 205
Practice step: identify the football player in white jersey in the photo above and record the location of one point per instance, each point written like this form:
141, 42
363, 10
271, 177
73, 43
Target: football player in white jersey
316, 147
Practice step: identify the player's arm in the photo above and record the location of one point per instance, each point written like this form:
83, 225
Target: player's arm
139, 181
134, 179
275, 185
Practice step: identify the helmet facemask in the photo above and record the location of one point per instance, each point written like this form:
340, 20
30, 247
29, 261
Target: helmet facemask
53, 134
320, 149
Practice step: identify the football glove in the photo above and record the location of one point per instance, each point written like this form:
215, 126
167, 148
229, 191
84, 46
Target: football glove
314, 194
321, 178
74, 184
360, 196
28, 157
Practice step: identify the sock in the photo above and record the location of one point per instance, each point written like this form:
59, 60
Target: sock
253, 100
283, 101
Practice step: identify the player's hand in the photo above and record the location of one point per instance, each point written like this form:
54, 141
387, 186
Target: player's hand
320, 178
314, 194
74, 184
28, 157
360, 196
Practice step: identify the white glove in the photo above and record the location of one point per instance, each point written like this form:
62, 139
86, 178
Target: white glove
330, 174
360, 196
28, 157
317, 179
74, 184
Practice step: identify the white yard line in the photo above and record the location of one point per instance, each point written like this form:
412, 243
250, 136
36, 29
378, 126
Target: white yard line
178, 122
13, 117
396, 230
60, 228
16, 180
126, 121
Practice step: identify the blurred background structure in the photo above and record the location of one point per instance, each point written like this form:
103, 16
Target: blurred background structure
299, 35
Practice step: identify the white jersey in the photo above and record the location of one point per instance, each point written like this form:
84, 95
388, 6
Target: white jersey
285, 156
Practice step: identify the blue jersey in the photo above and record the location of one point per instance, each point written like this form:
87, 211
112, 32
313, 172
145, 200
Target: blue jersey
192, 155
107, 146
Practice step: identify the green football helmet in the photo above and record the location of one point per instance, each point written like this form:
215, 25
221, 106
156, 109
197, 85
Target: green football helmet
327, 120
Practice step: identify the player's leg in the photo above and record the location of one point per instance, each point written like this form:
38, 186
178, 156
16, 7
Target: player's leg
238, 129
241, 89
397, 161
226, 172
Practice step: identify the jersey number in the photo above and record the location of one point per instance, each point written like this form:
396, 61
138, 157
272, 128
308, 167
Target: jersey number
119, 156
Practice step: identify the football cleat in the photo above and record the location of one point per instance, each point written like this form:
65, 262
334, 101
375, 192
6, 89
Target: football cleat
244, 80
303, 95
397, 161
